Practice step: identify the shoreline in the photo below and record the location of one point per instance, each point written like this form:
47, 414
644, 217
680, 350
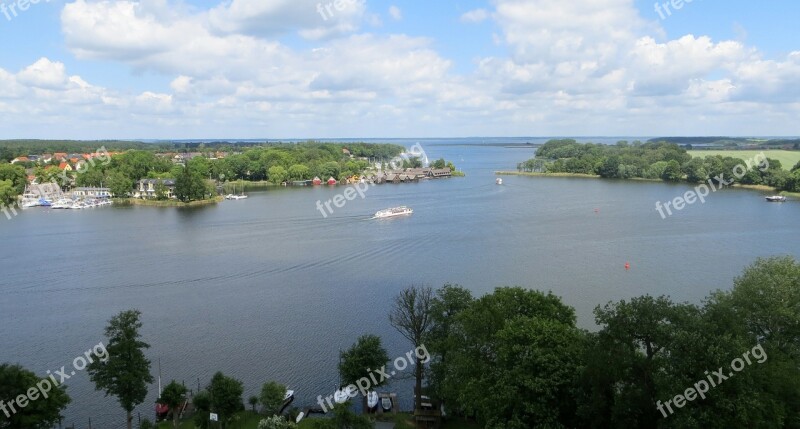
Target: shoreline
760, 188
167, 203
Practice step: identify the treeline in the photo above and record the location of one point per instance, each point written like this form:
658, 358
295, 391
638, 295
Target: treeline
659, 161
10, 149
515, 358
275, 163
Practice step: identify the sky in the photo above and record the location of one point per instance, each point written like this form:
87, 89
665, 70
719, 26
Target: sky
172, 69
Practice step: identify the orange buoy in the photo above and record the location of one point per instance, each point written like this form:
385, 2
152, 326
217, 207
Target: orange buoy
627, 266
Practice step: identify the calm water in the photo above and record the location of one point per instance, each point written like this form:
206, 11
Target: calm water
268, 289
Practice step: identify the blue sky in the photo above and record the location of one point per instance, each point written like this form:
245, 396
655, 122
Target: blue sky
278, 69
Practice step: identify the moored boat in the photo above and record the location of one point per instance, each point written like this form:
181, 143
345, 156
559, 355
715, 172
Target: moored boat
499, 181
777, 199
392, 212
386, 404
372, 400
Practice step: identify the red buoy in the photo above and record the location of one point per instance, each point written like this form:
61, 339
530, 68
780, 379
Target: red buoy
627, 266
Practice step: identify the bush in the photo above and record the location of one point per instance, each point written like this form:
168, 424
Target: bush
275, 422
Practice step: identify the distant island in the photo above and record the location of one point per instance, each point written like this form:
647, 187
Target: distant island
778, 170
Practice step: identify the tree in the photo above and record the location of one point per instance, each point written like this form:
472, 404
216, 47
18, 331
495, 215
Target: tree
161, 191
16, 174
226, 396
253, 401
119, 184
202, 406
366, 355
190, 186
450, 301
272, 397
174, 396
411, 316
524, 348
8, 195
40, 412
299, 172
673, 172
278, 174
126, 372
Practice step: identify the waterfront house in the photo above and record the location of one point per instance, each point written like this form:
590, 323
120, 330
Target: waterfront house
441, 172
91, 193
146, 188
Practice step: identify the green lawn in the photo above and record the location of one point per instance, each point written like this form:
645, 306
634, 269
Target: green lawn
787, 158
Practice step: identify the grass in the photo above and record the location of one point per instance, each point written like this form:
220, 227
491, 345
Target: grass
249, 420
787, 158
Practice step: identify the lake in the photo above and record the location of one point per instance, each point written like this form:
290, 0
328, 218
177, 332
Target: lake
268, 289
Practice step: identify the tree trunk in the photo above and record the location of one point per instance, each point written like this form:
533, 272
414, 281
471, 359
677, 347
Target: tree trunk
418, 371
130, 419
175, 418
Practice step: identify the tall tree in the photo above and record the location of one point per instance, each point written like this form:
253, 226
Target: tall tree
272, 397
366, 355
126, 372
174, 396
411, 316
226, 396
40, 412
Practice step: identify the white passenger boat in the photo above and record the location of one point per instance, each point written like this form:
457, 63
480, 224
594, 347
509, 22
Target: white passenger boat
777, 199
392, 212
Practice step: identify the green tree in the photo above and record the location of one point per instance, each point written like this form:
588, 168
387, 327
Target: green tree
367, 354
672, 173
450, 301
16, 174
40, 412
253, 401
411, 316
278, 174
226, 396
174, 396
299, 172
190, 186
524, 348
126, 372
272, 397
119, 184
202, 406
8, 194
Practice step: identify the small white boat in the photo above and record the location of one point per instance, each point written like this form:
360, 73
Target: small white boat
499, 181
342, 395
386, 404
289, 395
238, 197
372, 400
392, 212
777, 199
300, 417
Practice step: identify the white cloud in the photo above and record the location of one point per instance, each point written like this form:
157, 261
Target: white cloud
395, 13
475, 16
578, 67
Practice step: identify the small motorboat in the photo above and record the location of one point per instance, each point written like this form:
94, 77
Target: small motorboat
372, 400
289, 395
300, 417
777, 199
386, 404
341, 396
499, 181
